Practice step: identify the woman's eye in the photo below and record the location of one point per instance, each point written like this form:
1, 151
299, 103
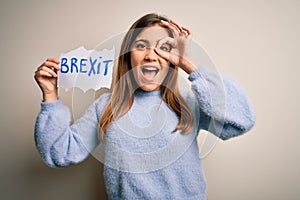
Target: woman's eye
140, 46
165, 47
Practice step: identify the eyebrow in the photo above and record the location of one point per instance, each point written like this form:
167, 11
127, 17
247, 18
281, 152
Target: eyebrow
147, 42
141, 40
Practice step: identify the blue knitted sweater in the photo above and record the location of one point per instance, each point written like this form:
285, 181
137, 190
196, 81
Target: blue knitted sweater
143, 158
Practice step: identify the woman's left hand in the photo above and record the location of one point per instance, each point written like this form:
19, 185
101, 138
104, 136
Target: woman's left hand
180, 54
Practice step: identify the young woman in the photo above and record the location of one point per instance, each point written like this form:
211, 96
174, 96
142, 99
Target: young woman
147, 127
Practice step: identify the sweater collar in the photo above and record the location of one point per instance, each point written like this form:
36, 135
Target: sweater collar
140, 92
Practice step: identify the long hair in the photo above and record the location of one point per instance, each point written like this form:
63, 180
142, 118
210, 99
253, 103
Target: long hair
124, 83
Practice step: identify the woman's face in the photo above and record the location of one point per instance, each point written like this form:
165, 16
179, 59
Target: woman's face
148, 68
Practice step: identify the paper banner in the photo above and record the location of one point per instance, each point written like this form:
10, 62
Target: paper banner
86, 69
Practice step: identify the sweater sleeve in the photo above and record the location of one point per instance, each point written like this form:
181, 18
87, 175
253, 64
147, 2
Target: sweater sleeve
61, 144
225, 109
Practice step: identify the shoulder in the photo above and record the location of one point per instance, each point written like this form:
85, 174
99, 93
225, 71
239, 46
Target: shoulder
103, 97
101, 102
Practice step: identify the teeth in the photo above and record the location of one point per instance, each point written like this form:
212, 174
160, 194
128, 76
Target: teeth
150, 68
150, 71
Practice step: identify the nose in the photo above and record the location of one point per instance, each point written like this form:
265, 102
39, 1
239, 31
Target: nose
151, 55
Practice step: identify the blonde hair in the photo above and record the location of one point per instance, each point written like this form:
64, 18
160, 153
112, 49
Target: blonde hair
124, 84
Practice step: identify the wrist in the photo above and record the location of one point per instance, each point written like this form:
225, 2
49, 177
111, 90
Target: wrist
188, 67
50, 97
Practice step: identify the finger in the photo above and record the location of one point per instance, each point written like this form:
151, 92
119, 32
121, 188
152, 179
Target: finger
168, 56
172, 27
178, 26
186, 31
42, 74
55, 60
51, 65
189, 32
181, 28
48, 70
163, 54
167, 40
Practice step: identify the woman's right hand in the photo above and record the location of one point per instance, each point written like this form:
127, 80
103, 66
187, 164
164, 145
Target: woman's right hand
46, 78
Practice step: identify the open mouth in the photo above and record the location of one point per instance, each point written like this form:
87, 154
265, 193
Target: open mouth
149, 72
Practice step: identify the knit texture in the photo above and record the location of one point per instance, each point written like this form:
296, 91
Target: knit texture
144, 158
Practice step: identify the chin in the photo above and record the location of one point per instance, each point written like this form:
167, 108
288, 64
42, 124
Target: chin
150, 87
